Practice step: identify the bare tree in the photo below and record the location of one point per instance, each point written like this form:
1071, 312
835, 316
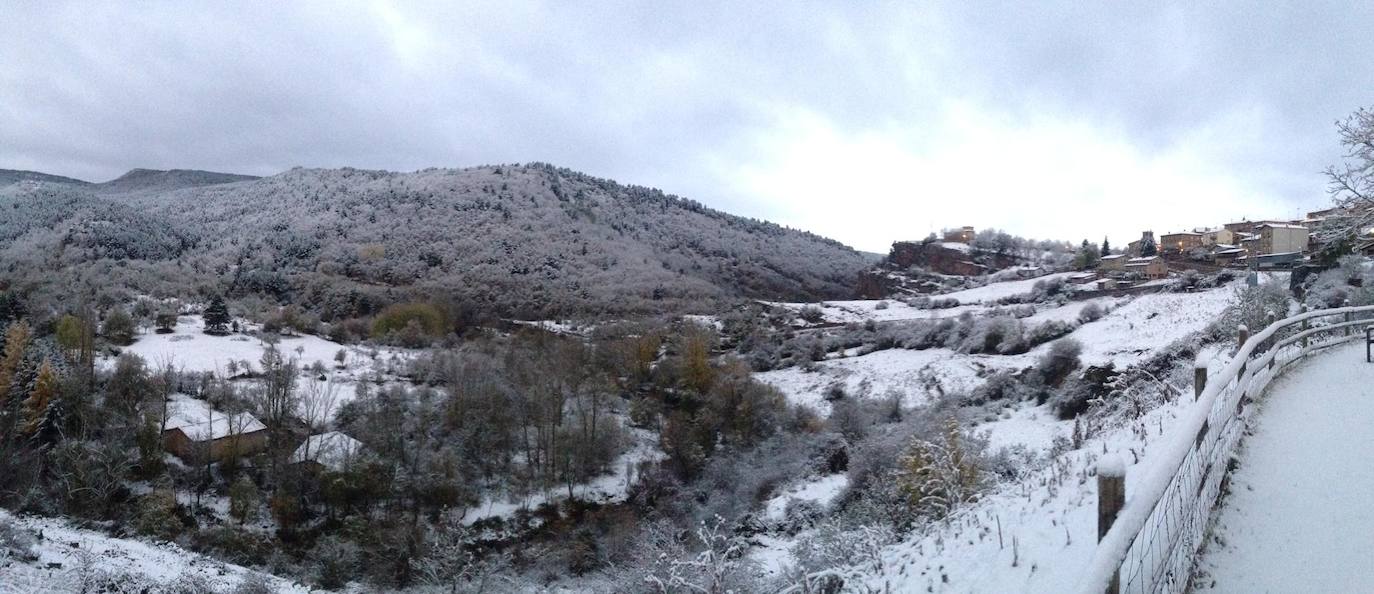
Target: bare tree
1351, 183
276, 398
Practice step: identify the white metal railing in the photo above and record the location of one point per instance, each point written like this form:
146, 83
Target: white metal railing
1150, 545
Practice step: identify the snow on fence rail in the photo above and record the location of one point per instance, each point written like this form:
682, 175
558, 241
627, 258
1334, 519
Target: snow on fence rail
1150, 545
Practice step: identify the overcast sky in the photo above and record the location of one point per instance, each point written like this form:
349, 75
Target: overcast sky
865, 124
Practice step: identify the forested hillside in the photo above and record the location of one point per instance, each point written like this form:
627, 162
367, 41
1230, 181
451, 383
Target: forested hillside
526, 241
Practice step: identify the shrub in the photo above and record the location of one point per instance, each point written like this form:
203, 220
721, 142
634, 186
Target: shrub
811, 314
422, 318
255, 583
243, 500
157, 515
1062, 358
335, 560
1091, 312
166, 322
939, 477
16, 542
119, 327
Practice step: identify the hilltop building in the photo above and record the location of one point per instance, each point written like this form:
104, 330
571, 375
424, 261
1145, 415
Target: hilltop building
1180, 243
1281, 238
1151, 267
963, 234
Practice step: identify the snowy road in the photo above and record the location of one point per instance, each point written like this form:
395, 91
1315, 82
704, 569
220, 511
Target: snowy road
1299, 516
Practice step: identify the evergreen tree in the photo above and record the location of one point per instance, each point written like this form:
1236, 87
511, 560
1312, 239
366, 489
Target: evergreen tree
1087, 256
217, 317
1106, 247
1148, 247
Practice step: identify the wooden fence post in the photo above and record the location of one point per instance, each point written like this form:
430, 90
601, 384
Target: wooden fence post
1242, 335
1347, 316
1199, 378
1111, 497
1305, 326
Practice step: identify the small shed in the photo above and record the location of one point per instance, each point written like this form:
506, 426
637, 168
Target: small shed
333, 451
193, 430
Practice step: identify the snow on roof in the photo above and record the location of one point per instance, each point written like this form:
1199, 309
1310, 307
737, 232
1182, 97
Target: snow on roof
1142, 261
1112, 257
1229, 251
200, 422
332, 450
1281, 226
1183, 233
954, 245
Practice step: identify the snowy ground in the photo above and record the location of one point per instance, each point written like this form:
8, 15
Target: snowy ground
1134, 329
995, 291
819, 490
75, 560
1298, 518
918, 375
1147, 324
189, 348
1033, 535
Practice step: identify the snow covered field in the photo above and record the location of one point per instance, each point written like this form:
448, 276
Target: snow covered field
992, 292
189, 348
918, 375
1298, 518
1147, 324
72, 560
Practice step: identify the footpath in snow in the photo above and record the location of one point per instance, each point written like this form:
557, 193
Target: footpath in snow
1298, 517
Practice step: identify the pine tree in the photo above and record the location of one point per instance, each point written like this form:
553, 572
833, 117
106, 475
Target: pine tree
1106, 247
36, 406
217, 317
1148, 247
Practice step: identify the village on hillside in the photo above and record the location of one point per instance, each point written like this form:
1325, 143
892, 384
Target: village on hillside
1269, 244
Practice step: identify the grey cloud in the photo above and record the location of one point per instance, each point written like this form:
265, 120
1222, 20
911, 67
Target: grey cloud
646, 93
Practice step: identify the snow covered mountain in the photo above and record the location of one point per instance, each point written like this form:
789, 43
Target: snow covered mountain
526, 240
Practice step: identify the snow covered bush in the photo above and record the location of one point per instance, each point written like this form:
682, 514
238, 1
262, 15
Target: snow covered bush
16, 542
718, 566
1348, 281
1043, 333
834, 544
811, 313
1060, 360
1091, 312
157, 515
937, 477
336, 562
1001, 335
1253, 307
